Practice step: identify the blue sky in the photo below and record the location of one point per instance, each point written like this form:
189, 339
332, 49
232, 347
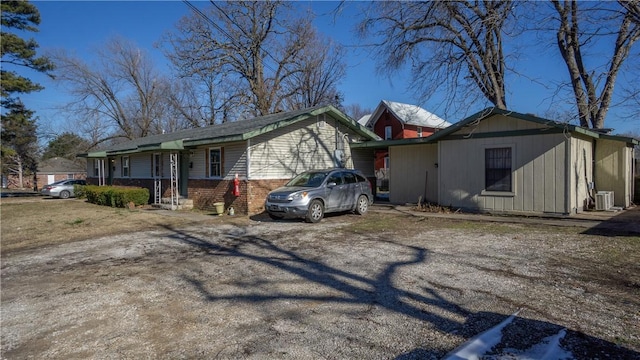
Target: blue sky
81, 27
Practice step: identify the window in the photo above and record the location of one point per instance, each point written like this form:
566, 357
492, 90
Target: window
156, 166
387, 133
215, 162
419, 131
335, 178
69, 176
386, 162
349, 178
497, 164
125, 166
96, 167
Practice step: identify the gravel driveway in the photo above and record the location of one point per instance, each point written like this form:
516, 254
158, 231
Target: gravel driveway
290, 290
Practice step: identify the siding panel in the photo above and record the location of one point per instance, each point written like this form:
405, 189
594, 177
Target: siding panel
539, 175
309, 144
415, 175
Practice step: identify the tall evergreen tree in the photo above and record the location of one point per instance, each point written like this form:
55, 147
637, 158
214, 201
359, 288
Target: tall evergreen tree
19, 141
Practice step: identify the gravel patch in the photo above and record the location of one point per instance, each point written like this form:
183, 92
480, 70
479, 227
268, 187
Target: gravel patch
291, 290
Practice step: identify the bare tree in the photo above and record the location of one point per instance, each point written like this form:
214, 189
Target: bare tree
356, 111
257, 49
123, 96
320, 69
577, 30
456, 45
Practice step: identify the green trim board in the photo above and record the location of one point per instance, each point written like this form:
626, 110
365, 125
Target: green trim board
489, 112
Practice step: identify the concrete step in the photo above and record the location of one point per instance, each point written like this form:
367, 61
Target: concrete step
183, 204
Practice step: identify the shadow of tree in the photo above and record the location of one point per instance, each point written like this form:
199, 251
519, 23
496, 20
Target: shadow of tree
378, 290
355, 288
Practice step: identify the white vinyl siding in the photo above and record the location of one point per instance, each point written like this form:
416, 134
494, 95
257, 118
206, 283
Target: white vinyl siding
234, 159
199, 168
285, 152
139, 166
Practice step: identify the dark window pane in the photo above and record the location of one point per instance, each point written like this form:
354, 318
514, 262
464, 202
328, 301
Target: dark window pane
498, 169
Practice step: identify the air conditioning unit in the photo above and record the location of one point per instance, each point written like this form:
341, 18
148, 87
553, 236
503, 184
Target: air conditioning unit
604, 200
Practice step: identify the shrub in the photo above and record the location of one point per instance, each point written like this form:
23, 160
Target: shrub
79, 191
116, 196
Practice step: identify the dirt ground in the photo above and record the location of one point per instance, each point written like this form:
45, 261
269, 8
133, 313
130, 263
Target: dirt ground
382, 286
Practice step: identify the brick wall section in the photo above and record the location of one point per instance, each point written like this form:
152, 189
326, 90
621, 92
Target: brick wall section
42, 179
259, 190
205, 193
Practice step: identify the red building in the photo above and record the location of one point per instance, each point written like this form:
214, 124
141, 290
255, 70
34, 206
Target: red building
394, 121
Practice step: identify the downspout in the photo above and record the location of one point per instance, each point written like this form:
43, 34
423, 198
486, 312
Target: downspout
248, 176
248, 162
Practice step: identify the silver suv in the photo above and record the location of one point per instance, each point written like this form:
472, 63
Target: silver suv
313, 193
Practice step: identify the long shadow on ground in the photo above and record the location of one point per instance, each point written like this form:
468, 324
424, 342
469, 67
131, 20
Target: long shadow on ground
380, 290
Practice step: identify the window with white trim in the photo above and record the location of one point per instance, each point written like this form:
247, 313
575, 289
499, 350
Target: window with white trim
388, 134
125, 166
498, 169
419, 131
215, 162
156, 165
96, 167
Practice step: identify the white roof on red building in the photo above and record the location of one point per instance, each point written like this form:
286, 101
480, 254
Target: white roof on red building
407, 113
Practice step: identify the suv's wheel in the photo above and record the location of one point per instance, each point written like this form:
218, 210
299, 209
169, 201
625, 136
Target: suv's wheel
362, 205
64, 194
315, 212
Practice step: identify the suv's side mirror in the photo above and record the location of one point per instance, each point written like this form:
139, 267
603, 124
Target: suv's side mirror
331, 184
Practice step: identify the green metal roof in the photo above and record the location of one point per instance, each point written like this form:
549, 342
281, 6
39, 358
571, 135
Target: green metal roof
228, 132
487, 113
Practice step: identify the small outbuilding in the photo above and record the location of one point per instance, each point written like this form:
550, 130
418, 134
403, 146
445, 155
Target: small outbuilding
503, 161
58, 168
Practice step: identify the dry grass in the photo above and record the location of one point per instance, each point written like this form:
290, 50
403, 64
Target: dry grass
27, 223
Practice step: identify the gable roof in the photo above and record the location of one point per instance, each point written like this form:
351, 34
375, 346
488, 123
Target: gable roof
229, 132
60, 165
407, 114
364, 120
493, 111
